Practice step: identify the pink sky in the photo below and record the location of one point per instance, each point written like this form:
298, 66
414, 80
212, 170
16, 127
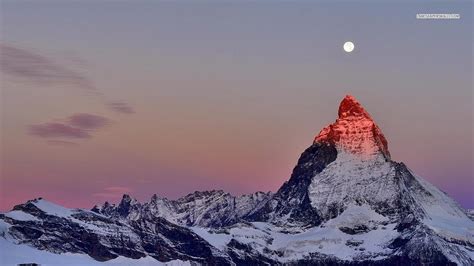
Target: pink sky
98, 100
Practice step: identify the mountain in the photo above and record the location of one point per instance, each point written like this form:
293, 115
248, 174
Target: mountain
207, 209
346, 203
47, 226
470, 213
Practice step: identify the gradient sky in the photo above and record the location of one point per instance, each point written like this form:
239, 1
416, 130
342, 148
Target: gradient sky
104, 98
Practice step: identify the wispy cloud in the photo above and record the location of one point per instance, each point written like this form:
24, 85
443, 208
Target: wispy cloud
113, 192
76, 126
121, 107
40, 69
57, 130
35, 67
61, 143
88, 121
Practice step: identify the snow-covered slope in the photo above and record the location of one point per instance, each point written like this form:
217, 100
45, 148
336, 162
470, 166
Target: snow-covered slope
14, 254
46, 226
346, 203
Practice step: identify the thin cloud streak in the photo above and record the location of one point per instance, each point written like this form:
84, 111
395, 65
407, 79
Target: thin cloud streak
34, 67
121, 107
113, 192
61, 143
76, 126
28, 65
88, 121
57, 130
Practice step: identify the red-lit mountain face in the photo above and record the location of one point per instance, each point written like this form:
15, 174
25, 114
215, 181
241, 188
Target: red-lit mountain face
355, 131
346, 203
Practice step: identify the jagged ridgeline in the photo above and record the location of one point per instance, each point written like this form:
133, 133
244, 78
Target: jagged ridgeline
346, 203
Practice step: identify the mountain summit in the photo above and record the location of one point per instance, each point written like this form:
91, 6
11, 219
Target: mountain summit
355, 131
346, 203
351, 107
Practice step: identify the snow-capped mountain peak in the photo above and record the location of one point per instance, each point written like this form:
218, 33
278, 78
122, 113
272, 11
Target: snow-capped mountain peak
349, 106
355, 132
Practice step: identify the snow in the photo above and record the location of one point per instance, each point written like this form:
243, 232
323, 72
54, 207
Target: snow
215, 239
470, 213
205, 208
52, 209
351, 178
73, 215
326, 239
21, 216
12, 254
443, 215
356, 215
331, 241
162, 207
4, 228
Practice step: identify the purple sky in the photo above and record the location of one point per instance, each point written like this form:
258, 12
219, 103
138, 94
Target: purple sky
139, 97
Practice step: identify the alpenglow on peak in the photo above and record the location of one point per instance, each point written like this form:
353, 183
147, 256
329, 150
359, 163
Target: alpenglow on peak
354, 131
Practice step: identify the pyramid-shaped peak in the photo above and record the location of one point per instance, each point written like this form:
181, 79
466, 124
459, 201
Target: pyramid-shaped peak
355, 131
351, 107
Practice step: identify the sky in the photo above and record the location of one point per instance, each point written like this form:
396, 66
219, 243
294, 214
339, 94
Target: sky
104, 98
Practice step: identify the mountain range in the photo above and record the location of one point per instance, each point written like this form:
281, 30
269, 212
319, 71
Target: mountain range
346, 203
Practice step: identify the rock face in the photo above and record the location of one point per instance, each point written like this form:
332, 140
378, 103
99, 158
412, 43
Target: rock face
208, 208
50, 227
346, 203
291, 203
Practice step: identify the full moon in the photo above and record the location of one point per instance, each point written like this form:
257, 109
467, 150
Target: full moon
348, 47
